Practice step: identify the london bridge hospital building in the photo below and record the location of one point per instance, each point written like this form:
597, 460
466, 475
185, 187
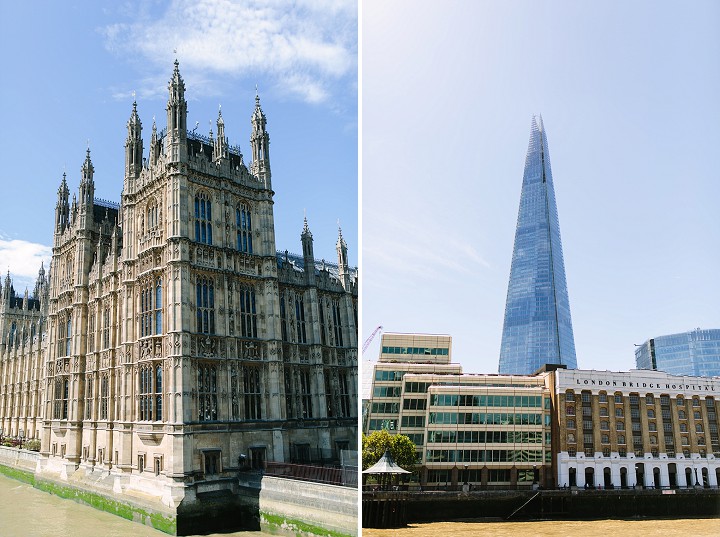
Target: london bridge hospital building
640, 428
171, 343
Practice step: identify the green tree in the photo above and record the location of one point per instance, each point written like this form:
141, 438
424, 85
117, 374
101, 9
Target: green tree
401, 448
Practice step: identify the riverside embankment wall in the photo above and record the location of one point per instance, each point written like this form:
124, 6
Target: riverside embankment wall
260, 501
546, 504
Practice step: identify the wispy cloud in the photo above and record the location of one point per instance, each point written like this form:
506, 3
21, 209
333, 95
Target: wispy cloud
304, 47
22, 259
425, 251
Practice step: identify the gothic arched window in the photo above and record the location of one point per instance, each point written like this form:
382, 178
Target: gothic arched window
203, 219
300, 320
150, 392
205, 306
248, 314
243, 223
151, 308
152, 215
283, 319
207, 393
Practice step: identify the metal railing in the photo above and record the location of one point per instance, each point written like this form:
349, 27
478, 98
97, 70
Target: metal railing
343, 476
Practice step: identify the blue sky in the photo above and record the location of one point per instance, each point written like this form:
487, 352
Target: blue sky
628, 92
70, 69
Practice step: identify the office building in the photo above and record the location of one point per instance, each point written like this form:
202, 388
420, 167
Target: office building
695, 353
485, 431
537, 329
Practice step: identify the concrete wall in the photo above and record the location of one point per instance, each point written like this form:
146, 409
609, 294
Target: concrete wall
19, 458
553, 504
276, 502
327, 506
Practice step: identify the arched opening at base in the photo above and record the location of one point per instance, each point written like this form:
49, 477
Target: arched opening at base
656, 478
590, 478
607, 478
640, 474
672, 475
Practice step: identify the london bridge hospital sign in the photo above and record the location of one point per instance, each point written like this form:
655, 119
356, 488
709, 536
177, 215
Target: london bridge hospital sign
575, 379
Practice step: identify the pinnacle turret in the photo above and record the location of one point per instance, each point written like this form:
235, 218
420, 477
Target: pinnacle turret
176, 117
343, 267
133, 145
308, 255
220, 146
87, 185
62, 208
260, 144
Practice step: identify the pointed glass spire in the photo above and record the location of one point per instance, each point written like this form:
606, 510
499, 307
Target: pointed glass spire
538, 327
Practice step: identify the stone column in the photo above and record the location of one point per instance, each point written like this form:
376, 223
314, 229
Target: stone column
631, 475
680, 475
649, 477
580, 474
563, 473
615, 474
664, 475
712, 476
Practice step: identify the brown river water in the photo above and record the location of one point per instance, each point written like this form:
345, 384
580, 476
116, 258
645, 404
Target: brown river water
694, 527
28, 512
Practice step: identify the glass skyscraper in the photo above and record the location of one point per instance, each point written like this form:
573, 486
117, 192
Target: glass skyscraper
695, 353
537, 329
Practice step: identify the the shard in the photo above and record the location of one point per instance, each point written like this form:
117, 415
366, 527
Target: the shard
537, 329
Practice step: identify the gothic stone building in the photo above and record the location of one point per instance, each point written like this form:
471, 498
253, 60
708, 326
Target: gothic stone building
178, 345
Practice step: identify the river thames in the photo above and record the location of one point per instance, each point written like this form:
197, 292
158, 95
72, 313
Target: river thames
28, 512
694, 527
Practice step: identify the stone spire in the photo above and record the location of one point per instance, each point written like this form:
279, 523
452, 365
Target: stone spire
40, 283
87, 185
308, 255
133, 145
154, 153
343, 267
87, 191
62, 208
220, 147
176, 117
260, 144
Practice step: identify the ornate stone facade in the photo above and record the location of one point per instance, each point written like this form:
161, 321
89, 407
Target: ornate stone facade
177, 344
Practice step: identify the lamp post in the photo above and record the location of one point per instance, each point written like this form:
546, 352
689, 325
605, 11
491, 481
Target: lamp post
535, 476
466, 484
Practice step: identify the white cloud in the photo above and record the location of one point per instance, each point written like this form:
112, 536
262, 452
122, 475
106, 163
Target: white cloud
303, 47
428, 252
22, 259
